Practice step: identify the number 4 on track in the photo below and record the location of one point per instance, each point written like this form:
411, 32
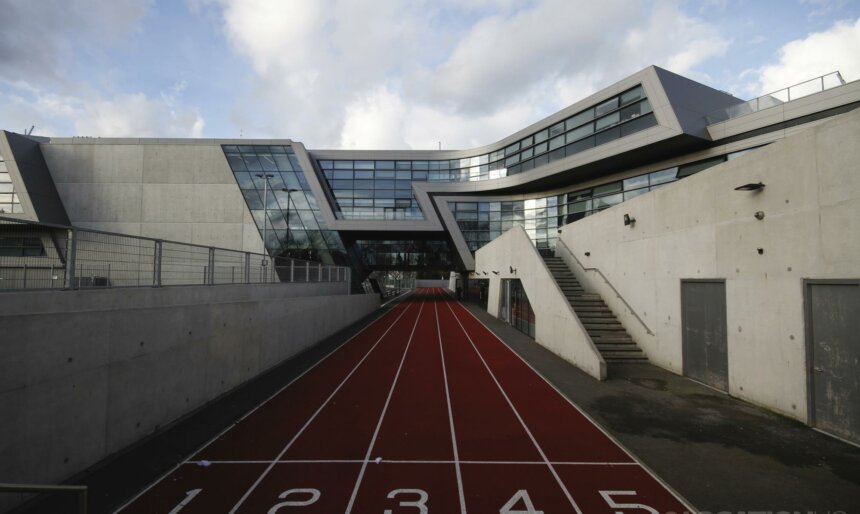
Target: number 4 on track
521, 495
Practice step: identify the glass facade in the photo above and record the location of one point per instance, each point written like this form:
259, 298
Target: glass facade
521, 316
481, 222
423, 254
381, 190
294, 226
375, 190
9, 202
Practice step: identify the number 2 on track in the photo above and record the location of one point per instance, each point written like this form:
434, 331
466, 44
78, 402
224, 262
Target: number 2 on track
314, 496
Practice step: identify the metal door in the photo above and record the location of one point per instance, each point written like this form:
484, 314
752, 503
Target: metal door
833, 343
703, 321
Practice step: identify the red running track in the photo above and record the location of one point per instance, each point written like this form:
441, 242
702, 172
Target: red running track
424, 410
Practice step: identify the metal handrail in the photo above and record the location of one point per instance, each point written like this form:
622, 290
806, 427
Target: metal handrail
754, 105
81, 490
110, 259
617, 294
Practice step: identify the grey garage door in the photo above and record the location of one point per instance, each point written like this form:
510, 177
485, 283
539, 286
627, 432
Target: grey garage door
833, 342
703, 316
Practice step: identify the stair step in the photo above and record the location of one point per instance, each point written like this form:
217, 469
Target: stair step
598, 320
591, 314
617, 347
612, 339
626, 358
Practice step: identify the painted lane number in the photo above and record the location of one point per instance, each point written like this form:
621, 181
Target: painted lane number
624, 508
314, 496
521, 496
420, 503
189, 495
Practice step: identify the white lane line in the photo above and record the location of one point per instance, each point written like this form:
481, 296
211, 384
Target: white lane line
397, 461
450, 414
382, 414
310, 420
609, 436
267, 400
517, 414
401, 295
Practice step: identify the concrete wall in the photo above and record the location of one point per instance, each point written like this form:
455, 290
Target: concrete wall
431, 283
700, 227
84, 374
181, 192
556, 325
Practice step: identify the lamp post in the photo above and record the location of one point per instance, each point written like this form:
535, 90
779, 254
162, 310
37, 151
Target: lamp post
265, 177
288, 191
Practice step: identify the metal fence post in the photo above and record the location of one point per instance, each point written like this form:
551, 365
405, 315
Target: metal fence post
272, 274
71, 251
319, 273
156, 264
348, 280
292, 270
307, 271
247, 267
211, 277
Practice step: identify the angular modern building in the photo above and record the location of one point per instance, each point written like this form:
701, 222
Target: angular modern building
433, 210
400, 209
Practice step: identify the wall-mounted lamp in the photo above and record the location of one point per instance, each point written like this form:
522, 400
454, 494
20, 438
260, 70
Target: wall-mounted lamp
559, 231
760, 251
588, 254
759, 215
484, 272
513, 269
752, 186
628, 220
495, 272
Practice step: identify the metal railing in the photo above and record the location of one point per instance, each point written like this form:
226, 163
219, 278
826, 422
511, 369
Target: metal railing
806, 88
80, 490
44, 256
597, 270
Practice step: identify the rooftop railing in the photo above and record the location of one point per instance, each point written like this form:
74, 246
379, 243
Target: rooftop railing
806, 88
44, 256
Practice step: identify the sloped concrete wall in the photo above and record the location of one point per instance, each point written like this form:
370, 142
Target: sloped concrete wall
84, 374
700, 227
556, 325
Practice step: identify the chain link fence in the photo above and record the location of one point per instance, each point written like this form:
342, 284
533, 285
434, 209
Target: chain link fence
44, 256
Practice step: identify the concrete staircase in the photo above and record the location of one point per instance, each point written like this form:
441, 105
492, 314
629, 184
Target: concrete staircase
613, 342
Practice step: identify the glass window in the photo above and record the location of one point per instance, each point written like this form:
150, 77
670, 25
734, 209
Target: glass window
363, 165
691, 169
512, 149
635, 182
610, 188
579, 119
343, 165
543, 135
557, 142
268, 162
527, 154
607, 121
420, 175
343, 174
527, 142
635, 110
579, 133
512, 160
385, 165
420, 165
326, 165
541, 148
364, 174
556, 129
632, 95
663, 176
282, 162
404, 165
252, 163
385, 174
235, 160
606, 106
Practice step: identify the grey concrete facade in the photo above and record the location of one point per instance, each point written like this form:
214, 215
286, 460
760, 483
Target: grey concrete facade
764, 245
84, 374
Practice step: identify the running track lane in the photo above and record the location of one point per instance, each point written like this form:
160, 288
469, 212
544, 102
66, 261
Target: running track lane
424, 410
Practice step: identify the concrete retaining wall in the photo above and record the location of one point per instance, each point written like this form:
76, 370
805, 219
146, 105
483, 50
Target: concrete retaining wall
700, 227
432, 283
84, 374
514, 256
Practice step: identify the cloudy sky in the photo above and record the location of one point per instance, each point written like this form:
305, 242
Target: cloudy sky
385, 73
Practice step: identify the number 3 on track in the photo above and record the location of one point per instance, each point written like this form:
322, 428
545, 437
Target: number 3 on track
420, 504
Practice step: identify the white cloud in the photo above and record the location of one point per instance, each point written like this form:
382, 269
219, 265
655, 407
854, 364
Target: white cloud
40, 38
837, 48
378, 74
90, 114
